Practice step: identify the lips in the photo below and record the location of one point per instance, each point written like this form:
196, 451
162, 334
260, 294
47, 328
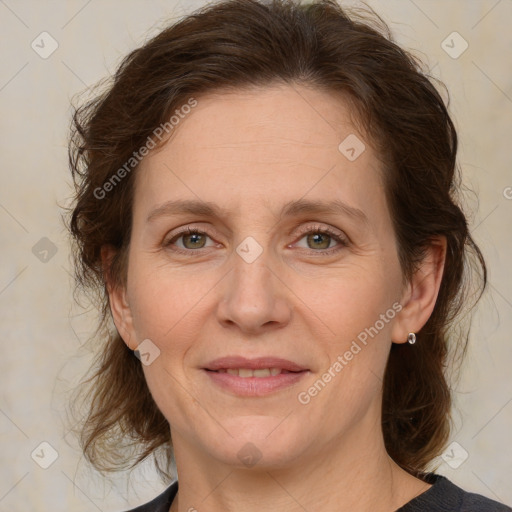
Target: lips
247, 372
254, 377
260, 363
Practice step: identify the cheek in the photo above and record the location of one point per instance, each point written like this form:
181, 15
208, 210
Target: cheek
350, 302
168, 308
359, 315
165, 301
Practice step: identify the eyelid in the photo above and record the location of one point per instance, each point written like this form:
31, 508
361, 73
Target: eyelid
338, 235
184, 230
304, 230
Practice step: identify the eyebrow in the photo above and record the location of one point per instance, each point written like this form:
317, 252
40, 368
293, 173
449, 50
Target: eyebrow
290, 209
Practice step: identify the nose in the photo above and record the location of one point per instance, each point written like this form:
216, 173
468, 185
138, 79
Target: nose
254, 298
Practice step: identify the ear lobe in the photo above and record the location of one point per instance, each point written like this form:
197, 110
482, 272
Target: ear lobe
119, 306
420, 295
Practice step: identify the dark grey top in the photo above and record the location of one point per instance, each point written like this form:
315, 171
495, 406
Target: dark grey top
443, 496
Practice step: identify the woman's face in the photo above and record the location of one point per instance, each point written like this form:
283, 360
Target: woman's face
274, 272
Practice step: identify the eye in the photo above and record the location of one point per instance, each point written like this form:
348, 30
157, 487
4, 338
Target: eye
191, 239
319, 239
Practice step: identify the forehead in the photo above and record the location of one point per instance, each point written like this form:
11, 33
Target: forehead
263, 146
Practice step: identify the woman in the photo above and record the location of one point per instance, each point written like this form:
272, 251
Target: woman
266, 202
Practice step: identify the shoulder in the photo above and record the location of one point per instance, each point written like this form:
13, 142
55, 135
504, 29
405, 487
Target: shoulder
478, 503
161, 503
445, 496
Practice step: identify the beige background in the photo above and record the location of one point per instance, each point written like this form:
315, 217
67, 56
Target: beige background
41, 331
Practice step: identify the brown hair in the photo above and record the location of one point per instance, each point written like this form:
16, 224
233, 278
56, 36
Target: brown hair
242, 43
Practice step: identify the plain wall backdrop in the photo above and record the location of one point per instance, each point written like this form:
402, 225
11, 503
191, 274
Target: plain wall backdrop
42, 331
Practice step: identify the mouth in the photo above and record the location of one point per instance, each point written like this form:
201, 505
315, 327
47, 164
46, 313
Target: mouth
254, 377
260, 363
259, 373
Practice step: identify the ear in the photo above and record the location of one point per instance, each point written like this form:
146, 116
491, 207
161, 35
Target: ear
420, 294
119, 306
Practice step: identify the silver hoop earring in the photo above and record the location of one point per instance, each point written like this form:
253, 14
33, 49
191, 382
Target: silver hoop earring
411, 338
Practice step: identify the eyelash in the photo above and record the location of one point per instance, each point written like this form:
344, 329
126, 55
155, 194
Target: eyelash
342, 240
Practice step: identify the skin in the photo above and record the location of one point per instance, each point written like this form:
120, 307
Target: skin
251, 152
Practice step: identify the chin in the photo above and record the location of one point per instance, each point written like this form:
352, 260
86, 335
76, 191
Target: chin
260, 442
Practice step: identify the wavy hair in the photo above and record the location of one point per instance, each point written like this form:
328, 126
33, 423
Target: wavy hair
231, 45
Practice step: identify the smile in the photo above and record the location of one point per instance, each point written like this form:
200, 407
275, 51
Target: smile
254, 383
247, 372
